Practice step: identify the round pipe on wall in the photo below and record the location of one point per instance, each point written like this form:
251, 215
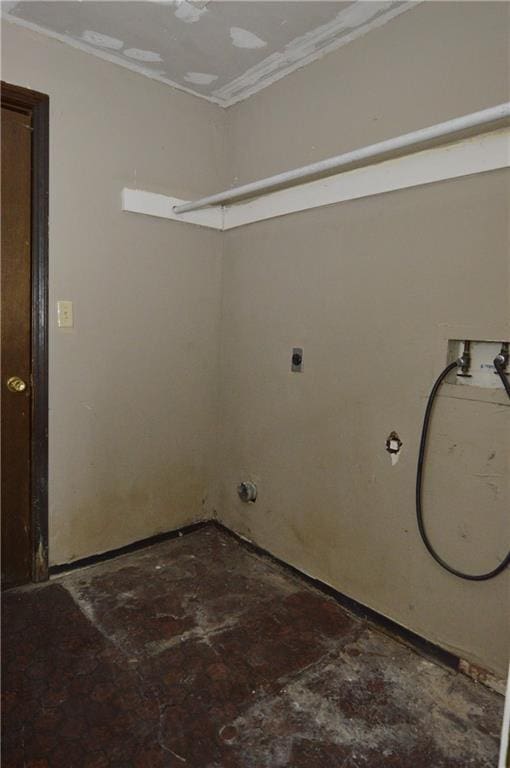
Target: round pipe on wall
490, 117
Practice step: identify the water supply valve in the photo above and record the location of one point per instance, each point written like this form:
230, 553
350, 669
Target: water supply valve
464, 361
480, 363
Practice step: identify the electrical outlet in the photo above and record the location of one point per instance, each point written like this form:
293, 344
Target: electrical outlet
297, 360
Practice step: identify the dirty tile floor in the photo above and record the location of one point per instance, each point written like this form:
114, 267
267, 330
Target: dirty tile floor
198, 652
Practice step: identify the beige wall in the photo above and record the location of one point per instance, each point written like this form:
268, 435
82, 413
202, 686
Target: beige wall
372, 289
133, 388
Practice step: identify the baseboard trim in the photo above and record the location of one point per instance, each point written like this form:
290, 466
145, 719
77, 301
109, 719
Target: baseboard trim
55, 570
383, 623
393, 629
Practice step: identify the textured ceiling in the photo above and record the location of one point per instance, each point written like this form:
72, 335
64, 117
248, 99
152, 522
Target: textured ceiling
222, 51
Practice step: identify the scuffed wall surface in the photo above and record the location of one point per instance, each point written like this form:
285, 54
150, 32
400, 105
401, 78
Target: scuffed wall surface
133, 387
372, 289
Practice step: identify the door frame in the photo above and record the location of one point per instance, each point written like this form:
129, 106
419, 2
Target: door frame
37, 105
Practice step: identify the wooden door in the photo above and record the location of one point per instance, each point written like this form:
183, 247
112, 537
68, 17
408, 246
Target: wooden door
16, 390
24, 334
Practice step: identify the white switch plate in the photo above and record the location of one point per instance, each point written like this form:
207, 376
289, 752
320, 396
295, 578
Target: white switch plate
65, 314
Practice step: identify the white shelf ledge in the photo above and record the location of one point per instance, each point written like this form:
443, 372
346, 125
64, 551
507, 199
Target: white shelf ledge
464, 157
162, 206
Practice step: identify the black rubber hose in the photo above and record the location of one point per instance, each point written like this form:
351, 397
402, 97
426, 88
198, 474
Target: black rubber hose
419, 480
499, 365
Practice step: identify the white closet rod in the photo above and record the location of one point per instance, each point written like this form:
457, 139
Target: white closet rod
483, 118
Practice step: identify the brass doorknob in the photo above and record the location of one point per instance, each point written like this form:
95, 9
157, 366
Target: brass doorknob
15, 384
